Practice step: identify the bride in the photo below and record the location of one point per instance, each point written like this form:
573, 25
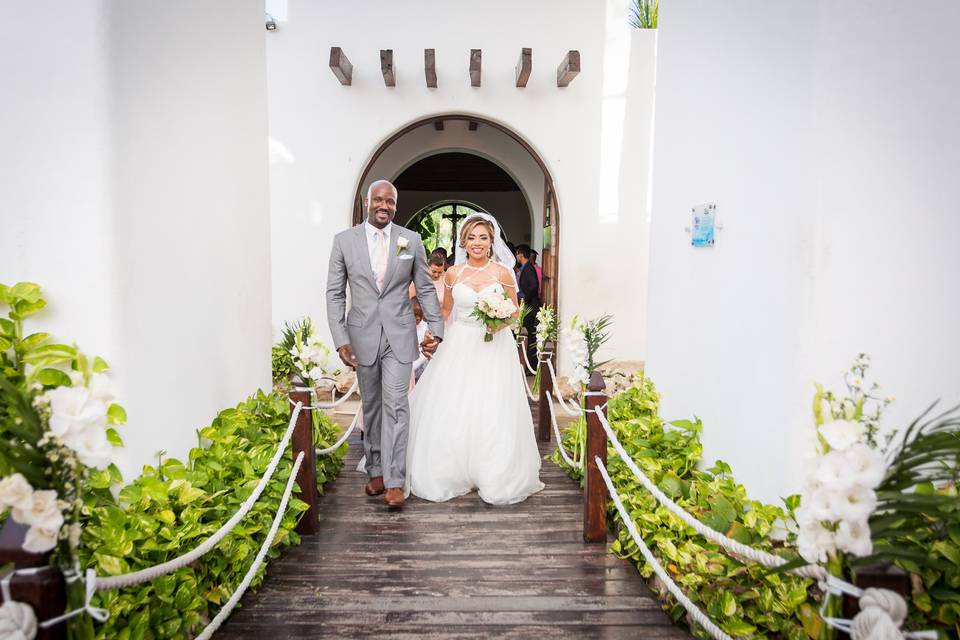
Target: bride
470, 424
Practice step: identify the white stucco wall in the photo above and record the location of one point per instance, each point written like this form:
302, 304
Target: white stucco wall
323, 133
827, 136
134, 190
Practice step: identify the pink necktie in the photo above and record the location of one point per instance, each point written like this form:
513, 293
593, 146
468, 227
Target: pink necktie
380, 259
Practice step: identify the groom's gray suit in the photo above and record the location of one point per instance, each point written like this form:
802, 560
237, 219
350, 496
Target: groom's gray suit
381, 330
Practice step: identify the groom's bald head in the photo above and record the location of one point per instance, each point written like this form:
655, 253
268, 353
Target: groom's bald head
381, 203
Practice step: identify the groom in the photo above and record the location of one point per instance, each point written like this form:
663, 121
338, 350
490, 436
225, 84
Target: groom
378, 336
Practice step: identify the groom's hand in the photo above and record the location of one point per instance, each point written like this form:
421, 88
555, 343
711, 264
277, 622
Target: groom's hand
429, 344
347, 356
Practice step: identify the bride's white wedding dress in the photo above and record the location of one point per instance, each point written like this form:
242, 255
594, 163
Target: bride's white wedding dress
470, 424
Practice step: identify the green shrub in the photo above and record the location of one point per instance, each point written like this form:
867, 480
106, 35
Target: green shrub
743, 599
174, 506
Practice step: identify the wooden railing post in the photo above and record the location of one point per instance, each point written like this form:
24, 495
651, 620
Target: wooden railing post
46, 592
521, 347
546, 386
302, 440
595, 491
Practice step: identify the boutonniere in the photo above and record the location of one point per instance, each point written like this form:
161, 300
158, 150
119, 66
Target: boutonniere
401, 244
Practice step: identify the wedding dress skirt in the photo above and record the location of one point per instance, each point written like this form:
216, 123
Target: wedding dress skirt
470, 423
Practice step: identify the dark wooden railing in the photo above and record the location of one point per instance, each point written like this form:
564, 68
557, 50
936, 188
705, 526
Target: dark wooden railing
302, 440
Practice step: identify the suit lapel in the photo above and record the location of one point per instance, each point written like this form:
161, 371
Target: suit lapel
363, 247
391, 256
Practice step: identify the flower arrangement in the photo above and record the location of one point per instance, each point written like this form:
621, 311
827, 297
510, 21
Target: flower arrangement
495, 310
547, 329
582, 340
57, 422
305, 354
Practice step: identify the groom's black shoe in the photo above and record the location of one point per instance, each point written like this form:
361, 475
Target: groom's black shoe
394, 497
374, 486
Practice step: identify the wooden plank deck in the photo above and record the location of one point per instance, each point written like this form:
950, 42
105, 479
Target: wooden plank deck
461, 569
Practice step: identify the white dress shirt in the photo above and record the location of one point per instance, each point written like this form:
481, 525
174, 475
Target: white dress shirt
372, 241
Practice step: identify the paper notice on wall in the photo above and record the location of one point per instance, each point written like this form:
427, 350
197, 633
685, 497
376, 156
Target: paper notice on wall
703, 225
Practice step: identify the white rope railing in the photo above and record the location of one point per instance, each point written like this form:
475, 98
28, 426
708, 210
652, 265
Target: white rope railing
576, 411
527, 389
716, 632
144, 575
526, 357
556, 431
330, 405
761, 557
343, 438
227, 608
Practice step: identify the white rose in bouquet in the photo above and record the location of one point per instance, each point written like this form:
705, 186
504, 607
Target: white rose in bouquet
15, 492
493, 309
43, 511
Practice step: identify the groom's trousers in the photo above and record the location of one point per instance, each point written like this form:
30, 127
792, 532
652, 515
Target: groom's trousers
386, 415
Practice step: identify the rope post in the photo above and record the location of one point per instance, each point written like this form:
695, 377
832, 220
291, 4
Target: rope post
45, 592
594, 491
546, 387
302, 440
521, 347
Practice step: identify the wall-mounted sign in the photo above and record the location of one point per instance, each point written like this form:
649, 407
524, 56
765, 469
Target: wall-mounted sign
703, 225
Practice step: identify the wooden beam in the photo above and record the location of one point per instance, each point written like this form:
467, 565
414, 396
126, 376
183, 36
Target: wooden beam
340, 66
430, 67
386, 67
476, 56
524, 65
568, 69
472, 125
438, 125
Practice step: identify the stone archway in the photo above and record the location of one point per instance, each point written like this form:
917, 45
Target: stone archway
546, 218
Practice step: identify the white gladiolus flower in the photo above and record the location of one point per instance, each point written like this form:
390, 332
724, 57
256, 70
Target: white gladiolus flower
853, 503
866, 465
815, 543
832, 470
42, 511
15, 492
91, 446
101, 388
841, 434
75, 531
40, 540
815, 508
73, 409
315, 373
853, 536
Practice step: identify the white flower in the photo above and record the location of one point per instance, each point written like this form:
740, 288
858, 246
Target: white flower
75, 531
402, 243
815, 543
580, 375
42, 511
15, 492
866, 465
853, 503
856, 382
315, 373
73, 409
815, 508
832, 470
841, 434
854, 537
91, 446
101, 388
40, 540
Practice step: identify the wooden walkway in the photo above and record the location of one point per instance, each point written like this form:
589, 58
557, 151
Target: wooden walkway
461, 569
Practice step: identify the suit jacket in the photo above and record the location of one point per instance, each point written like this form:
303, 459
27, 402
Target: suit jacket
372, 311
529, 286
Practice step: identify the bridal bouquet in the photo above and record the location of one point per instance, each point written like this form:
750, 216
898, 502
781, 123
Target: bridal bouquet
495, 310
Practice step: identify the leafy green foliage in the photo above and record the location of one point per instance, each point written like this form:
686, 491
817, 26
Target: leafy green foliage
744, 599
174, 506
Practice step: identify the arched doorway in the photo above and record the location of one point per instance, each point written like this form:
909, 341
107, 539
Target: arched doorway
468, 135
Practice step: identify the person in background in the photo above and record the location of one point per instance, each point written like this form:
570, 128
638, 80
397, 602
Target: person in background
533, 259
436, 262
529, 291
